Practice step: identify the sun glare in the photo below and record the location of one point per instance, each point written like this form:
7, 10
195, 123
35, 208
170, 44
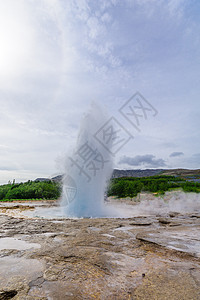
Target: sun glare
15, 39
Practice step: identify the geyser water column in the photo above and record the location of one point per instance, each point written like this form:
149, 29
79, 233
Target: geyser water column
88, 168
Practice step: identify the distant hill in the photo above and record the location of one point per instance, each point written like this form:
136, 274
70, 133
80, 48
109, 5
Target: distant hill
182, 172
151, 172
57, 178
186, 173
42, 179
136, 173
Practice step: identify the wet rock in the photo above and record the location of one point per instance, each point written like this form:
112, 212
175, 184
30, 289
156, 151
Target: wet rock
102, 258
52, 273
186, 240
167, 285
6, 295
173, 214
170, 222
145, 222
164, 221
36, 282
195, 216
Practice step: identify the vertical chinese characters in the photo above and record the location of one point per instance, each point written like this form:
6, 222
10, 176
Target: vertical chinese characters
88, 161
136, 110
112, 136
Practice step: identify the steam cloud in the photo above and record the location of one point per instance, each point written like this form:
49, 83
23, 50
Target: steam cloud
84, 188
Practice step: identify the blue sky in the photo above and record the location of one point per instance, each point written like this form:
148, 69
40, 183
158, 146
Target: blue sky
57, 56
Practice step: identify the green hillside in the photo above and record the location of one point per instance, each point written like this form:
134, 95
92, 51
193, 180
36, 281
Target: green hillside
30, 190
131, 186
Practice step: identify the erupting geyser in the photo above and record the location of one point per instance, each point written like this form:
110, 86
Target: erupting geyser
88, 168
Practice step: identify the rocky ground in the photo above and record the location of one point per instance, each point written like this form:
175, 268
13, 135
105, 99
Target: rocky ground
144, 257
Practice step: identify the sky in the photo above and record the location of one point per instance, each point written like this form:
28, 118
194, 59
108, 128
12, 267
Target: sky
58, 56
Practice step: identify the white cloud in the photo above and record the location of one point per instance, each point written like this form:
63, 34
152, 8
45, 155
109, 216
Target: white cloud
96, 29
106, 17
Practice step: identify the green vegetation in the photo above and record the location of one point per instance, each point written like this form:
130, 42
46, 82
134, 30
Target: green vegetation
119, 187
30, 190
131, 186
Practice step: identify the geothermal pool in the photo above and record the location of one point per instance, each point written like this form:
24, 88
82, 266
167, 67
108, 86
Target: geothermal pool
145, 204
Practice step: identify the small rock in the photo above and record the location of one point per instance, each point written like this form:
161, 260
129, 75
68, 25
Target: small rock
173, 214
164, 221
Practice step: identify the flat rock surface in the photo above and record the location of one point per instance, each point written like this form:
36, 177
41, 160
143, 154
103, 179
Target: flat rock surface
144, 257
185, 239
